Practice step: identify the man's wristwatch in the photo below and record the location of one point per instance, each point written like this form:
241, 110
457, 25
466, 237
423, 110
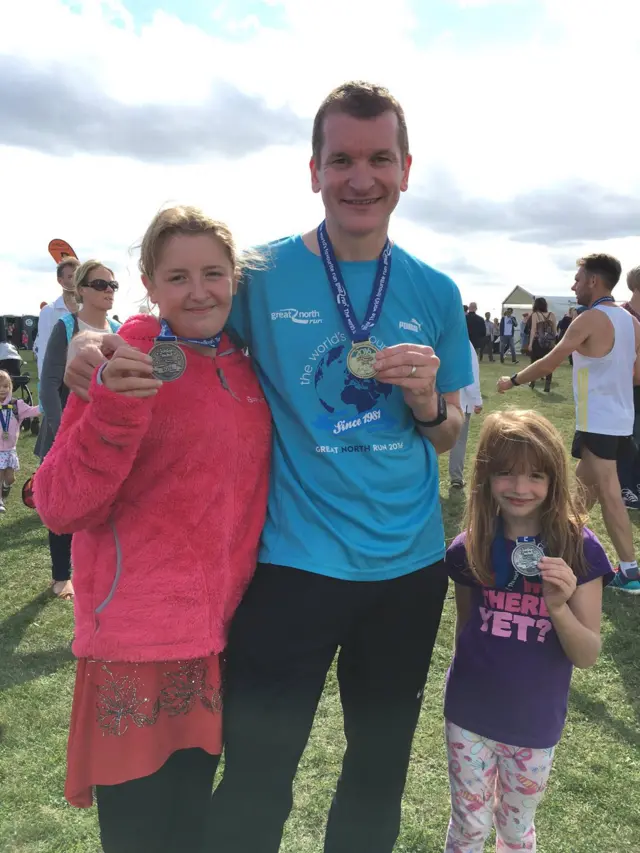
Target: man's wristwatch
514, 379
439, 418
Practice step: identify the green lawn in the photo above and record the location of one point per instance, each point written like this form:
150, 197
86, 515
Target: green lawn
593, 802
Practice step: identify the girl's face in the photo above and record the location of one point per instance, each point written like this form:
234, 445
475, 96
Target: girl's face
520, 495
5, 388
193, 285
101, 299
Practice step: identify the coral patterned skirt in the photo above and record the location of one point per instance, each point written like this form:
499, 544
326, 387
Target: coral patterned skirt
128, 718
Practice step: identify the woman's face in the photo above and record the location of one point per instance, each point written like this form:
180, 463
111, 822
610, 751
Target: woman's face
100, 299
193, 285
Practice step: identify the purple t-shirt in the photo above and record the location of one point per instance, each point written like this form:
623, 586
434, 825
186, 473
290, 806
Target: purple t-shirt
509, 678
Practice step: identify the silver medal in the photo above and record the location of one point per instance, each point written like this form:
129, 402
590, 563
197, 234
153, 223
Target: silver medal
169, 361
525, 558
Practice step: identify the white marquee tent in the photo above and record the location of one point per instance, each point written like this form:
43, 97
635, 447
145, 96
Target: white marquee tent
521, 301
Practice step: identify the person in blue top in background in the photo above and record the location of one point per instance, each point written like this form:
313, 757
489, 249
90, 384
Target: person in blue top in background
353, 546
362, 350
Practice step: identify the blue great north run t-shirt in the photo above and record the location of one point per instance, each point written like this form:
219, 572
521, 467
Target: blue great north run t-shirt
354, 487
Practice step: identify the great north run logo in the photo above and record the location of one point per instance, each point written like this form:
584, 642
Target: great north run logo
304, 317
413, 326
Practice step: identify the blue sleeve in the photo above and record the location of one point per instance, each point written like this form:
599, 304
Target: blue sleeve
452, 348
238, 324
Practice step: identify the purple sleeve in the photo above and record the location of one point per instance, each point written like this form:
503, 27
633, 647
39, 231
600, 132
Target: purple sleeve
456, 562
598, 565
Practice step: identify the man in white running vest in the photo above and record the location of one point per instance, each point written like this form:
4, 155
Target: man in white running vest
605, 344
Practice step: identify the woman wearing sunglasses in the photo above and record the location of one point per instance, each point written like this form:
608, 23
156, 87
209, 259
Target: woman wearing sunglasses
95, 288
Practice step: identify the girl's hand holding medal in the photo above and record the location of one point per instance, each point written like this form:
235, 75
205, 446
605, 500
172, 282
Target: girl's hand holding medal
130, 372
558, 582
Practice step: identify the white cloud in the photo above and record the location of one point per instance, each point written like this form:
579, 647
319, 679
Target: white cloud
505, 122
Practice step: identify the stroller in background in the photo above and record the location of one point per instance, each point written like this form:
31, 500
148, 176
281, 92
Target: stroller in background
11, 361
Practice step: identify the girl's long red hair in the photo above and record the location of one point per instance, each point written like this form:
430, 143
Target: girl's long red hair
515, 441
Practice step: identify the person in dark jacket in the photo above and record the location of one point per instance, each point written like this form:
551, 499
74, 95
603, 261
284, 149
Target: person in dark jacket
94, 289
476, 328
629, 475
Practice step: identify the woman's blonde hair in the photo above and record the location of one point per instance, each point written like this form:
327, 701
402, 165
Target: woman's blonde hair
518, 441
82, 274
633, 279
185, 219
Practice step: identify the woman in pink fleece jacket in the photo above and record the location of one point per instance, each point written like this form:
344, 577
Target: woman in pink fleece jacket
164, 486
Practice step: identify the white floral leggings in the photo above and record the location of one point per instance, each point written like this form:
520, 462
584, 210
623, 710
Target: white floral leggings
493, 784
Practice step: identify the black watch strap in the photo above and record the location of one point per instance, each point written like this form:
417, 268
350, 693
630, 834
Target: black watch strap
439, 418
514, 379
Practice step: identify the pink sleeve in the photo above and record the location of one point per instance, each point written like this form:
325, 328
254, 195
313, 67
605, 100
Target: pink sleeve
25, 411
95, 449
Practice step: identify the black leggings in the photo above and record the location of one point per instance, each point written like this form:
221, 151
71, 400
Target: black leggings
60, 550
166, 812
538, 352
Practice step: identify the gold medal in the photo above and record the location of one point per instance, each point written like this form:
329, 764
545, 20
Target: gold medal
361, 360
5, 436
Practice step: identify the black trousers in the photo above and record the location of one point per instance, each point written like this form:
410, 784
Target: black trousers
60, 550
486, 346
282, 643
166, 812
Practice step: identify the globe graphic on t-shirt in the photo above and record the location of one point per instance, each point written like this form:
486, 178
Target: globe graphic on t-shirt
340, 391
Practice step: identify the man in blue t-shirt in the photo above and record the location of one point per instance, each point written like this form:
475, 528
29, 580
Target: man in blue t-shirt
361, 350
353, 546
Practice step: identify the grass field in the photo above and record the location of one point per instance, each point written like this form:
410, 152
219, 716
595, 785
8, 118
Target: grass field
592, 806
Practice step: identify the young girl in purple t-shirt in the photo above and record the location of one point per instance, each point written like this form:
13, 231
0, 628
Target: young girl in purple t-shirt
528, 581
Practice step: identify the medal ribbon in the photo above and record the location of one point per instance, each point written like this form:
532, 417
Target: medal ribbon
166, 335
379, 291
5, 423
603, 299
504, 570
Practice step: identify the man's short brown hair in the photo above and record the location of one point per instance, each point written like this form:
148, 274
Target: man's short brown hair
66, 262
606, 266
359, 99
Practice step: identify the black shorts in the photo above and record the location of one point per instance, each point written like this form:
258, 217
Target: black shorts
614, 447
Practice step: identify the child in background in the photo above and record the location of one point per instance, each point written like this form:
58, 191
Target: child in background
528, 583
470, 402
12, 413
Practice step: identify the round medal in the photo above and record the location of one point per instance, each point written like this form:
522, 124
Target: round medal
525, 558
169, 361
361, 359
5, 436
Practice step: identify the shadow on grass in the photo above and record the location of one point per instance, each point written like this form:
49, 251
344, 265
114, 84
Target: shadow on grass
621, 646
597, 711
19, 668
15, 532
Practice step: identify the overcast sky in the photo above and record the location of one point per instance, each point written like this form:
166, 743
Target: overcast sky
523, 124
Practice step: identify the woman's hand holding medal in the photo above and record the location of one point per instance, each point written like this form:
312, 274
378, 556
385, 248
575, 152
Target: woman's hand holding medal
130, 372
87, 351
558, 582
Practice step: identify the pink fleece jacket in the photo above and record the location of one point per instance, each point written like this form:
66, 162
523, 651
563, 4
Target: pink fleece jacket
23, 412
166, 498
